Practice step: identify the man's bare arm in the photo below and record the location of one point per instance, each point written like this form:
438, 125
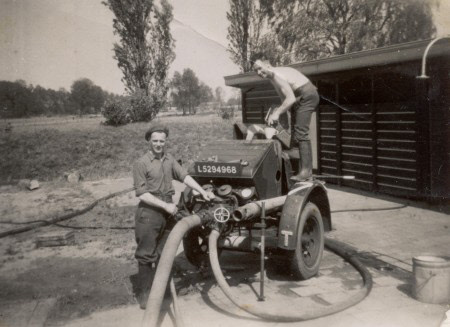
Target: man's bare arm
189, 181
152, 200
285, 92
287, 96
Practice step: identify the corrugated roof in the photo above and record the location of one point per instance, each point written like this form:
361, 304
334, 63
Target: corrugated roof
376, 57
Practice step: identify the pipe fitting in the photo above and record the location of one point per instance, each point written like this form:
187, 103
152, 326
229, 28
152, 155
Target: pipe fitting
253, 210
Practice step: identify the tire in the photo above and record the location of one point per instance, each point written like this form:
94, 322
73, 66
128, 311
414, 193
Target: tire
195, 245
306, 259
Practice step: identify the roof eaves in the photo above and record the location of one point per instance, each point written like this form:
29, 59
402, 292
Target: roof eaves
367, 58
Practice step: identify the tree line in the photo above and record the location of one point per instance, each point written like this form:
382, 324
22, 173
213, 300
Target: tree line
188, 93
282, 31
17, 99
287, 31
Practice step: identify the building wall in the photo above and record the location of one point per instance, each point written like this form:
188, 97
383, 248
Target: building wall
383, 125
386, 128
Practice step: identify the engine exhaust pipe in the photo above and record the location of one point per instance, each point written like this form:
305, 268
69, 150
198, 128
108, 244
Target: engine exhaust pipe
253, 210
246, 243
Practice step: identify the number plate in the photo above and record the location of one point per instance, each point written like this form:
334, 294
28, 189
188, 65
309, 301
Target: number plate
217, 169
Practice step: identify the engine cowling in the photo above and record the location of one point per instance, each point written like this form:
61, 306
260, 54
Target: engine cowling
240, 163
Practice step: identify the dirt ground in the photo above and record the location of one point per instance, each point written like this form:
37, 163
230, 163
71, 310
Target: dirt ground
98, 272
85, 277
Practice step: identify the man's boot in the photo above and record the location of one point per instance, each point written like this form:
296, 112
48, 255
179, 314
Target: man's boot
305, 163
146, 275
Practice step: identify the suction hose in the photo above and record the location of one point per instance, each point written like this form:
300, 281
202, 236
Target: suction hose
264, 314
176, 308
162, 275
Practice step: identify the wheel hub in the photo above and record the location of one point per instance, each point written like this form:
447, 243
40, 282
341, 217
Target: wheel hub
308, 239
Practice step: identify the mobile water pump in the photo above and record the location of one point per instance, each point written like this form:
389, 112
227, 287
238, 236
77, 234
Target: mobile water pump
250, 181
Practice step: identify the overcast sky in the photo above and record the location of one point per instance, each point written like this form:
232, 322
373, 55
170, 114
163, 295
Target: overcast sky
205, 16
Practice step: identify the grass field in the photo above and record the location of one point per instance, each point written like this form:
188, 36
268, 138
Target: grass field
47, 148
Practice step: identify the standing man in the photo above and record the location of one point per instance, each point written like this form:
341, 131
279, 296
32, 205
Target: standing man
153, 174
297, 92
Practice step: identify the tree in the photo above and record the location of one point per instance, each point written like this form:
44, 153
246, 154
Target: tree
314, 29
43, 100
86, 96
244, 31
188, 92
16, 100
205, 92
235, 100
145, 50
61, 102
219, 95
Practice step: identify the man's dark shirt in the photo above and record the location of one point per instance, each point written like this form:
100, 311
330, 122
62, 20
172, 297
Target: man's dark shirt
155, 176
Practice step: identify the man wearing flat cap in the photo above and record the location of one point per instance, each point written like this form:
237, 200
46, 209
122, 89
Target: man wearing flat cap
153, 174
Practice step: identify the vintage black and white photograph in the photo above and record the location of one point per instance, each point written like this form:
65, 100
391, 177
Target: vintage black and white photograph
225, 163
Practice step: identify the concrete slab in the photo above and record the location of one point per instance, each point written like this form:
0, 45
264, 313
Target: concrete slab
128, 316
336, 297
409, 316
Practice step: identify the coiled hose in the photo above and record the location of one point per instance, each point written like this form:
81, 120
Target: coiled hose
264, 314
162, 275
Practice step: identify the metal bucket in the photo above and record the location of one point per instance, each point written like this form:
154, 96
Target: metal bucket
431, 279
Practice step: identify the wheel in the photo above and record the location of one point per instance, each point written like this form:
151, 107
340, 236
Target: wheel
305, 261
195, 245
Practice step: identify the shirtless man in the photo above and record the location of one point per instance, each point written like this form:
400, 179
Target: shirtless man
296, 92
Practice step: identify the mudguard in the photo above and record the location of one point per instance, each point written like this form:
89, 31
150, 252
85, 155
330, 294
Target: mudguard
295, 202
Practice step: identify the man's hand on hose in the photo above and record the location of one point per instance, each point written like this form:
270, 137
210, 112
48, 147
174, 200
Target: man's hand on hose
171, 209
272, 121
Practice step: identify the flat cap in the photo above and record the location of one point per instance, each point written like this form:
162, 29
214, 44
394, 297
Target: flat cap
156, 128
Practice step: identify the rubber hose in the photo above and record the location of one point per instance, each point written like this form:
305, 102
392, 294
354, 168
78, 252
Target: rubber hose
40, 223
264, 314
164, 268
176, 306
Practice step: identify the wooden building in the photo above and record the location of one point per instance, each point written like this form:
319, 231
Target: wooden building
376, 119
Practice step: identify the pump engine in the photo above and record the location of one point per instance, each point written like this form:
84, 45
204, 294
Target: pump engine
242, 175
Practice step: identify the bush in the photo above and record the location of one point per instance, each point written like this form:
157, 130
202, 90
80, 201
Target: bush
142, 107
133, 108
116, 112
226, 112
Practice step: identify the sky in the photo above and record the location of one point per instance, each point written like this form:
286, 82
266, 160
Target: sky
205, 16
54, 42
